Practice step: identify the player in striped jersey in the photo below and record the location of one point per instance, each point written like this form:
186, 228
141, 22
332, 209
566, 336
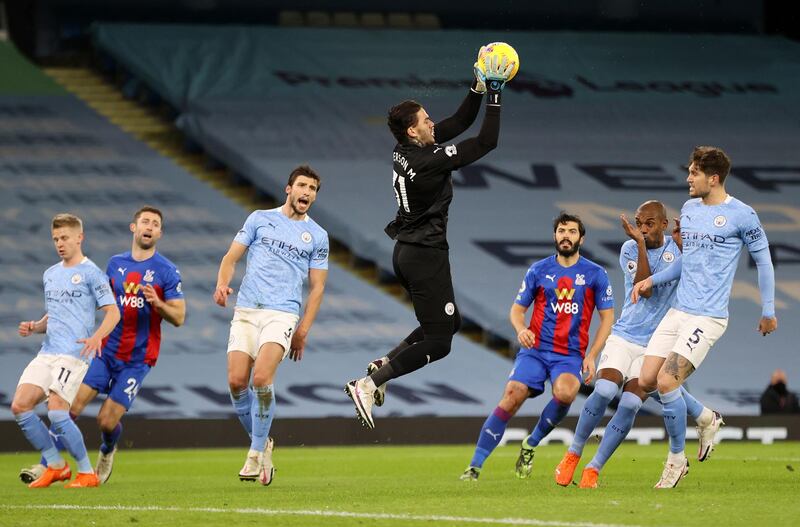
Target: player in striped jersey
564, 290
147, 287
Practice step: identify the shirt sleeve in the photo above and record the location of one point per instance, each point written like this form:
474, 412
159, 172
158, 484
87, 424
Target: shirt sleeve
528, 289
629, 261
101, 290
172, 286
603, 291
247, 234
319, 258
752, 233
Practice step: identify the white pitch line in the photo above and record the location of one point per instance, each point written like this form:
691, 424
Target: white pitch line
323, 513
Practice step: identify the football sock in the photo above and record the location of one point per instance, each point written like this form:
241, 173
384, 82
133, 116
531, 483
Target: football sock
37, 435
593, 410
242, 403
383, 374
675, 419
617, 429
552, 414
109, 439
72, 437
654, 395
693, 406
262, 411
490, 436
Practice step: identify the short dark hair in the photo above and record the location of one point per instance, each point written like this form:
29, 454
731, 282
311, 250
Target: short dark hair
711, 160
401, 117
148, 208
304, 170
564, 218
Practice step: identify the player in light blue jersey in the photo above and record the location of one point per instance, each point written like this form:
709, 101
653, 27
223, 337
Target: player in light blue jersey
648, 251
714, 228
284, 247
74, 289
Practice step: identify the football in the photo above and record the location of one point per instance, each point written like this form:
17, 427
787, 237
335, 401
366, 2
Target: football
502, 49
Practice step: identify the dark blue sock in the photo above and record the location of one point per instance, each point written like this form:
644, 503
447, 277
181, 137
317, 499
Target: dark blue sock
617, 428
675, 419
110, 439
491, 433
593, 410
552, 414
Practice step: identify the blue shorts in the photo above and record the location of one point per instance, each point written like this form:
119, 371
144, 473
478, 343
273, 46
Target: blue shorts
120, 380
532, 368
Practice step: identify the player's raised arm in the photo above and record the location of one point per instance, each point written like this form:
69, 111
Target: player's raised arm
466, 114
227, 268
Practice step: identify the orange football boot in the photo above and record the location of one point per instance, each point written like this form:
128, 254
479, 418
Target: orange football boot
566, 468
589, 478
83, 479
50, 476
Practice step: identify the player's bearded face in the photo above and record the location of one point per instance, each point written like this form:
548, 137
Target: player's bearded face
567, 244
147, 230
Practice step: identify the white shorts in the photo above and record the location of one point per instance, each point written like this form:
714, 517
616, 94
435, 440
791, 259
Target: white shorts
59, 374
623, 356
252, 328
690, 336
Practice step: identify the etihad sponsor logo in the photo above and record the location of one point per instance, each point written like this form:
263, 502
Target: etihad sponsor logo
285, 247
540, 86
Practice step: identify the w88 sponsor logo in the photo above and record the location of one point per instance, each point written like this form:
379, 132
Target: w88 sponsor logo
568, 308
136, 302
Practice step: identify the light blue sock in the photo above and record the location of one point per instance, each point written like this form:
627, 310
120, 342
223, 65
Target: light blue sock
593, 410
72, 438
675, 419
491, 433
654, 395
693, 407
242, 403
262, 412
617, 429
552, 414
39, 437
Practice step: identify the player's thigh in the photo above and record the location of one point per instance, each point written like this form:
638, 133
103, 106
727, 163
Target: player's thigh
529, 370
696, 337
245, 327
26, 397
622, 357
666, 334
67, 377
515, 394
98, 377
276, 327
239, 366
648, 373
565, 376
86, 394
34, 383
269, 357
427, 272
126, 383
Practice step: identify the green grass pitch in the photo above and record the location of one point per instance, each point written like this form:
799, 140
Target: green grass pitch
742, 484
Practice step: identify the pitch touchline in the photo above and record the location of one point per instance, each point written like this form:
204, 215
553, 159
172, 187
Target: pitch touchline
336, 514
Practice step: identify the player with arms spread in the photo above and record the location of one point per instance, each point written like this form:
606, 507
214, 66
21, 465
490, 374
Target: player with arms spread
284, 246
714, 228
74, 289
422, 165
564, 290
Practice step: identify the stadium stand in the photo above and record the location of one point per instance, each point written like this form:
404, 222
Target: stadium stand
593, 123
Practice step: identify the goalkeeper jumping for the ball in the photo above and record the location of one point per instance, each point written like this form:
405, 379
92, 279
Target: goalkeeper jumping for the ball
423, 160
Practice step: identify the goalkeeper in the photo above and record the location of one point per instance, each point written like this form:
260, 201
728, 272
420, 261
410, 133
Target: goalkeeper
422, 162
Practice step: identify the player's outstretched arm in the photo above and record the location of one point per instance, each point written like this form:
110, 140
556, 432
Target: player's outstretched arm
29, 327
766, 286
316, 288
456, 124
227, 268
590, 361
173, 311
93, 344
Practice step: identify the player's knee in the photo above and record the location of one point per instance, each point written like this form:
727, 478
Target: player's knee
263, 378
513, 398
237, 385
647, 383
565, 394
18, 407
667, 383
605, 389
106, 422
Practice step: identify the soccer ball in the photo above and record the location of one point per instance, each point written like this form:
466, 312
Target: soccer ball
502, 49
